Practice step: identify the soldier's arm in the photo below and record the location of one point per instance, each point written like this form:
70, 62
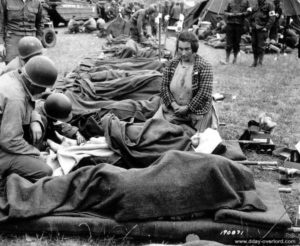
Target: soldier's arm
272, 17
2, 20
140, 21
11, 132
227, 11
39, 25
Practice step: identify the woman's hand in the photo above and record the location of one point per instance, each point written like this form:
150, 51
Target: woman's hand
181, 110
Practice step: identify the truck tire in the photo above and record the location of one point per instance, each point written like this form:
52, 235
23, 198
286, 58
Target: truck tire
48, 38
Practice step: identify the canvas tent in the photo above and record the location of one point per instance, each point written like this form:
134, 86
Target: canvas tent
208, 10
291, 8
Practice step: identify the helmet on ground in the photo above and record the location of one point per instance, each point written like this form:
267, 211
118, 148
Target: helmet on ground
59, 107
40, 71
29, 46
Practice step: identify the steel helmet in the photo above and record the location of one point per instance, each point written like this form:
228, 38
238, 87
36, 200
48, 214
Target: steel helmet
40, 71
59, 107
101, 23
29, 46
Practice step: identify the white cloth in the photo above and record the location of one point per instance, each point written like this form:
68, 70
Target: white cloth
208, 141
67, 157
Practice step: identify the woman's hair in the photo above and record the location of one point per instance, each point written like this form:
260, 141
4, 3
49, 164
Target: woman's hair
190, 37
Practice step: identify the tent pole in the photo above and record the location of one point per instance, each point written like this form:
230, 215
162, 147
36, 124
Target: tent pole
159, 32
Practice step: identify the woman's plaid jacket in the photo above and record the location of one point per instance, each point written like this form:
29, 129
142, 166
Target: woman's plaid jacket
202, 81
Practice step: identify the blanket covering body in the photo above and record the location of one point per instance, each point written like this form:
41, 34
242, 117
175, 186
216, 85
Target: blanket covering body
178, 183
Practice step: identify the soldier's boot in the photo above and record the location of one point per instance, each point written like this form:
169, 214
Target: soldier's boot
255, 60
234, 58
226, 59
260, 59
227, 56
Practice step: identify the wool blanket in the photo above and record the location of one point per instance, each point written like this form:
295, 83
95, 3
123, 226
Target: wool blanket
94, 65
178, 183
140, 144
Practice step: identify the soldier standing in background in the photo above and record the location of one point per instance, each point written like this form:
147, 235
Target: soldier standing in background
261, 21
275, 28
18, 19
235, 14
175, 14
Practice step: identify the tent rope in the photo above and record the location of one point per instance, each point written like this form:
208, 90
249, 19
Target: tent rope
207, 9
220, 7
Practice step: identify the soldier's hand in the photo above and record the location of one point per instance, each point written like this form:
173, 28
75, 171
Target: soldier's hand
80, 139
264, 29
36, 131
2, 51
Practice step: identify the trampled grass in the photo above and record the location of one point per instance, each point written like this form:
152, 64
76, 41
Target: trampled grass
273, 88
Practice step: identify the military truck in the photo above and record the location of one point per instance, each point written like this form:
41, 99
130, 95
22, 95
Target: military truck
61, 11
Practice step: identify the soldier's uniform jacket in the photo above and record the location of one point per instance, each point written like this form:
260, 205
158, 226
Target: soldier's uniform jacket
263, 16
239, 8
19, 18
16, 111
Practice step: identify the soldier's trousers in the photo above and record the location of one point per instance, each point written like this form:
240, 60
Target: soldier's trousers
233, 37
258, 38
29, 167
11, 46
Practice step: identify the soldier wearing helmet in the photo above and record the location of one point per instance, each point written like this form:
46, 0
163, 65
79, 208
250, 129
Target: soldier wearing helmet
18, 19
56, 112
139, 22
27, 48
21, 126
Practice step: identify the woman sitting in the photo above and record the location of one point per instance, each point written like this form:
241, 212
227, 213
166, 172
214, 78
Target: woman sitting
186, 90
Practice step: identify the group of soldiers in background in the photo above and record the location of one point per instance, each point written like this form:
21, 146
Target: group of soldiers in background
264, 21
140, 18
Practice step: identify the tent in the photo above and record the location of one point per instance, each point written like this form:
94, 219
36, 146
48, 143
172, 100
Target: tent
291, 7
192, 14
208, 10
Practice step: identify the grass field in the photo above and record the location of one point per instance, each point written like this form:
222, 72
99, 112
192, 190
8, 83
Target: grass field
273, 88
